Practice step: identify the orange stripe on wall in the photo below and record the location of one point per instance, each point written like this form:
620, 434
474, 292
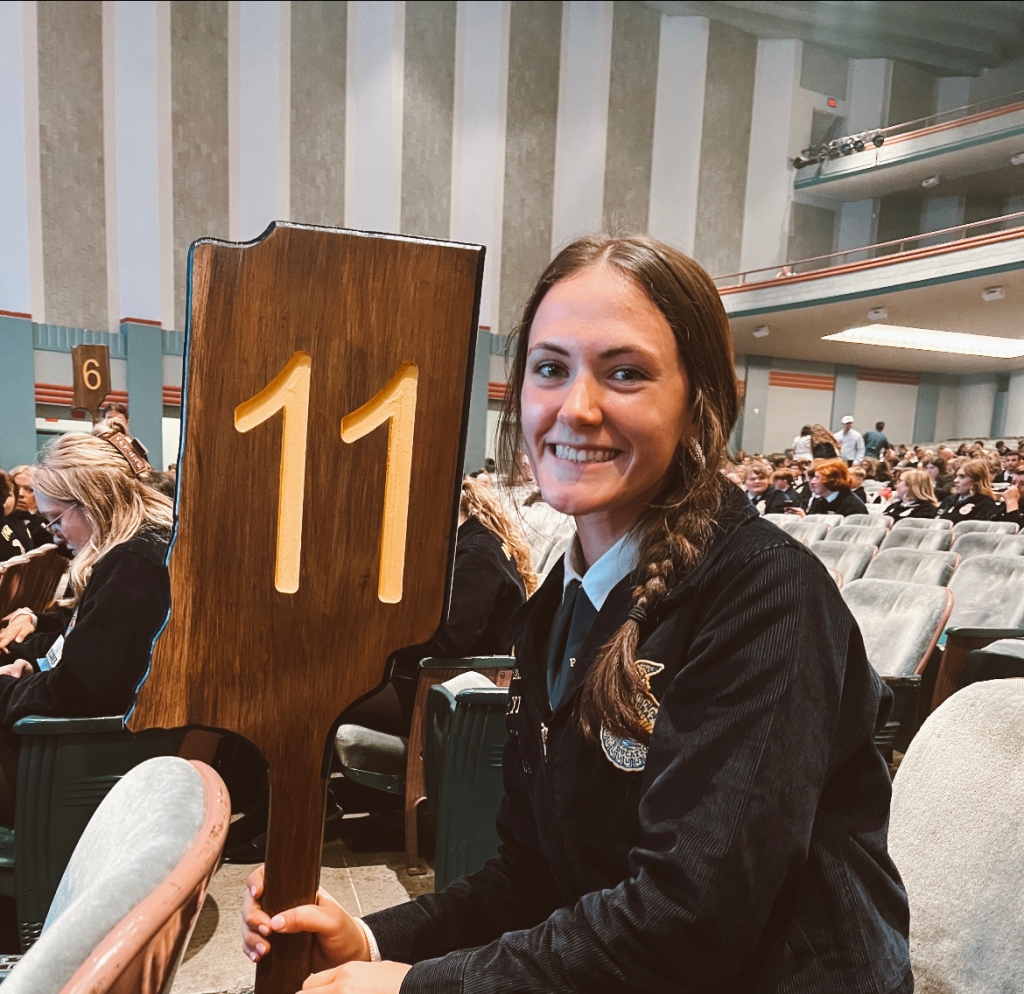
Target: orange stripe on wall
888, 376
801, 381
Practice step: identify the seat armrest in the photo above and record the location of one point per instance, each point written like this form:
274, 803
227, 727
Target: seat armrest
985, 633
468, 663
36, 725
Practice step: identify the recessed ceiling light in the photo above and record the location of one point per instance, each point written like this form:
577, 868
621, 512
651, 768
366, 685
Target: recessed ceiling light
878, 314
993, 293
1017, 160
927, 340
761, 331
930, 182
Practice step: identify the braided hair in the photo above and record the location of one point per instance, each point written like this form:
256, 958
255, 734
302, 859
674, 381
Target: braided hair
674, 531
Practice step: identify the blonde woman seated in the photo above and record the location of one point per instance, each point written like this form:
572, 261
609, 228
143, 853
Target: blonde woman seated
972, 498
915, 496
90, 664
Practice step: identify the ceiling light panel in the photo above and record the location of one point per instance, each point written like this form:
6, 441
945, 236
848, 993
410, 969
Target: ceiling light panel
926, 340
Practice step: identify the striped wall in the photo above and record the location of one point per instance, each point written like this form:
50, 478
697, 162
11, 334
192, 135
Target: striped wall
134, 127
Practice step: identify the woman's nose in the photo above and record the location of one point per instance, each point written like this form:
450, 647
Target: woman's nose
580, 406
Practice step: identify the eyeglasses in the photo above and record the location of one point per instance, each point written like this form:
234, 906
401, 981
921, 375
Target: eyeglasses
50, 525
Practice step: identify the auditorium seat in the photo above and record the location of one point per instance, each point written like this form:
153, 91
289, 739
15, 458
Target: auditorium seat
848, 558
134, 886
988, 604
1001, 659
851, 533
913, 566
462, 771
375, 759
836, 576
868, 520
833, 519
926, 539
988, 544
810, 529
938, 524
999, 527
954, 835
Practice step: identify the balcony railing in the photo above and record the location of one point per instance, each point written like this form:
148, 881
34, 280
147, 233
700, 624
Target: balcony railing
896, 247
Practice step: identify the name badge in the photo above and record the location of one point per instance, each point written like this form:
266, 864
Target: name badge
52, 658
909, 510
966, 508
761, 504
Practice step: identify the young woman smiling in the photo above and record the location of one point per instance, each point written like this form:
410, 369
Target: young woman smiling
693, 799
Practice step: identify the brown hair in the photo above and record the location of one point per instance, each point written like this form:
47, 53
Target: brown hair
820, 435
480, 501
6, 489
978, 471
759, 469
833, 473
784, 474
673, 533
919, 485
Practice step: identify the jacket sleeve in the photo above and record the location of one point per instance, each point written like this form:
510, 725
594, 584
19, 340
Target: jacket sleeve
513, 891
105, 655
476, 583
739, 757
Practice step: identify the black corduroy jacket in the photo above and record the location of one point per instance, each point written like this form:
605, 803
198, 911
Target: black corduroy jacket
743, 851
915, 509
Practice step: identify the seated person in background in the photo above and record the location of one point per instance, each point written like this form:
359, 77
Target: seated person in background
493, 577
972, 498
875, 442
915, 497
12, 543
1010, 462
831, 483
823, 443
765, 499
26, 517
857, 476
1012, 498
942, 481
801, 489
784, 480
118, 530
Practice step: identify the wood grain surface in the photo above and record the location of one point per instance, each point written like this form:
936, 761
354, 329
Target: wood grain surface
238, 653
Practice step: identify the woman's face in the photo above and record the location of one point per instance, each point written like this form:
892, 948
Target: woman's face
604, 400
68, 521
963, 484
901, 490
26, 493
933, 471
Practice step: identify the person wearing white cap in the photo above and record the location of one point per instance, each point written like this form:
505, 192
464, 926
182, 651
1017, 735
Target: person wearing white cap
850, 441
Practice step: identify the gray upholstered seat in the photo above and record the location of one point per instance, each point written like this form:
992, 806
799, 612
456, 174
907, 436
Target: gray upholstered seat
913, 566
988, 544
900, 622
938, 524
833, 519
851, 533
836, 575
954, 835
136, 838
868, 520
928, 539
989, 593
997, 527
848, 558
777, 519
813, 528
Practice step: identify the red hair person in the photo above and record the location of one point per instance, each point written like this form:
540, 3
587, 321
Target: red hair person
831, 484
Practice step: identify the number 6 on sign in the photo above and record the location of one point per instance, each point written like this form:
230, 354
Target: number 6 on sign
397, 402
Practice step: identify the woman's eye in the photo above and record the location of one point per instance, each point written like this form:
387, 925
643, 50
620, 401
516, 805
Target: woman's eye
628, 374
548, 369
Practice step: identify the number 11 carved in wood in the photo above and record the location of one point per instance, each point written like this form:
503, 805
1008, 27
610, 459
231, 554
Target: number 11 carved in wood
289, 392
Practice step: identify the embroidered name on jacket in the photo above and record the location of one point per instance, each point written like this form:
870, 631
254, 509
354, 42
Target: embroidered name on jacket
625, 754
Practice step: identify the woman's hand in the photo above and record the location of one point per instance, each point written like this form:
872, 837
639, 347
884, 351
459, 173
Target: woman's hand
17, 669
18, 626
1011, 498
798, 511
359, 978
339, 939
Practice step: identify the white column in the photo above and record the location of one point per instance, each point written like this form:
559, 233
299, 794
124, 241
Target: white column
165, 162
136, 192
375, 69
15, 287
582, 137
769, 173
678, 127
33, 180
478, 140
259, 64
1014, 423
867, 94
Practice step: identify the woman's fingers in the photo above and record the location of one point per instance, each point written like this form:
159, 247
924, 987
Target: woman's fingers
254, 882
316, 918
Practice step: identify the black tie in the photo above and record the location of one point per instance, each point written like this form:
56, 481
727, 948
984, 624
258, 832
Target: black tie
572, 624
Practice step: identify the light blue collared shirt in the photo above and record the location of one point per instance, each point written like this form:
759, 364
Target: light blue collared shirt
614, 566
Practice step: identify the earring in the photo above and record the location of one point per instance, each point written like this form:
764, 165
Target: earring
697, 451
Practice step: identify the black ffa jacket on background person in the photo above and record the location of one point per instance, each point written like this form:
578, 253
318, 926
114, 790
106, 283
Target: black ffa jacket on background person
912, 509
11, 544
743, 851
976, 507
801, 494
772, 501
29, 528
823, 450
106, 651
845, 502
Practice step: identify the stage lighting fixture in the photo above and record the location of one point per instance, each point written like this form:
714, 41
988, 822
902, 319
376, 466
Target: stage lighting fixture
879, 140
927, 340
858, 145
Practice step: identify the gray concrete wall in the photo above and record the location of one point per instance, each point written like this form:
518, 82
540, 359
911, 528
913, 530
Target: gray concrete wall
811, 231
533, 64
724, 148
318, 55
71, 162
199, 122
633, 87
428, 104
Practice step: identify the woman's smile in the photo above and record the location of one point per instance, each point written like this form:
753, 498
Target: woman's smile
581, 453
